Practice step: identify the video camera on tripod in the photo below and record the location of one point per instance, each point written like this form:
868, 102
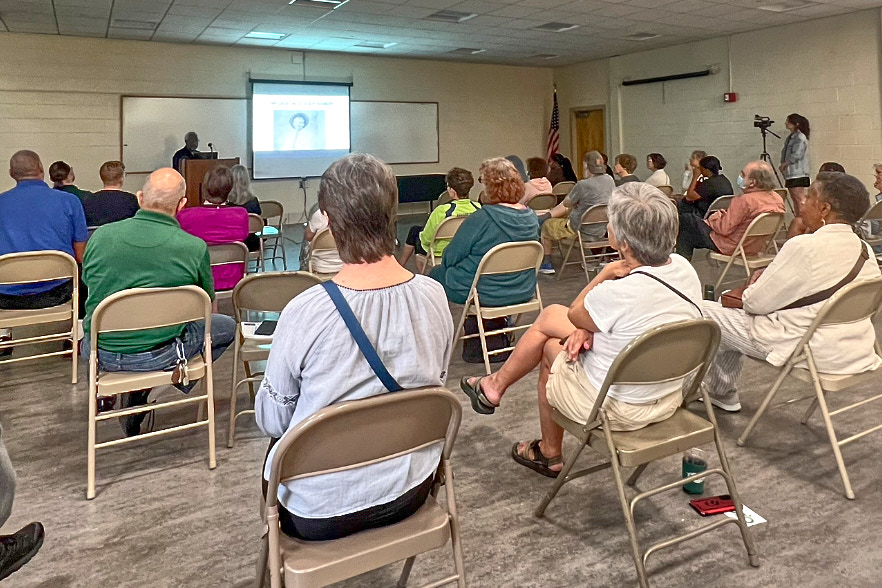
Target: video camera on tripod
762, 122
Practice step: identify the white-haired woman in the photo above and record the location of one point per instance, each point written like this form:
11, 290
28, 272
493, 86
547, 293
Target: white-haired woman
626, 299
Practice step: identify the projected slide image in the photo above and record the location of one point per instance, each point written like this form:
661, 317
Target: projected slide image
298, 129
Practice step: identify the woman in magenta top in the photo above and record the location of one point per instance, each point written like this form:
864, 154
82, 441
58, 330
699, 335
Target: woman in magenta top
215, 222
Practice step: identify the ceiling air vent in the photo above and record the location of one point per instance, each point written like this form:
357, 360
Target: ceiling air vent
323, 4
452, 16
556, 27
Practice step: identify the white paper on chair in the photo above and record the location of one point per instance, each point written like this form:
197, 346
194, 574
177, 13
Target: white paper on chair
750, 517
248, 328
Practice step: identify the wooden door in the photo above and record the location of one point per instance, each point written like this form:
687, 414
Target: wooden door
589, 132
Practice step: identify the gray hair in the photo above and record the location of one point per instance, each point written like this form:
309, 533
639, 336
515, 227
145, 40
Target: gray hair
191, 134
241, 192
646, 220
763, 174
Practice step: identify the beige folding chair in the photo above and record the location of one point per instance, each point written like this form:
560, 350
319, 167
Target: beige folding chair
721, 203
785, 196
667, 190
445, 232
561, 189
662, 354
873, 214
138, 309
855, 302
762, 229
443, 198
273, 215
260, 293
322, 241
33, 267
353, 434
255, 227
506, 258
594, 216
542, 202
228, 254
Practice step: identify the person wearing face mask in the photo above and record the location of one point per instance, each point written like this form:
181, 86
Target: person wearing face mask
781, 303
723, 229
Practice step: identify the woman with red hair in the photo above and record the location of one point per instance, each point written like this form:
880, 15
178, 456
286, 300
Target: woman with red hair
501, 220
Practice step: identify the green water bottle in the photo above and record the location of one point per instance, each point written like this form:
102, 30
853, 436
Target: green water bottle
694, 462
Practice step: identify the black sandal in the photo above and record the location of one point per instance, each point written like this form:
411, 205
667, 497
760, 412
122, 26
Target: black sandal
480, 404
539, 463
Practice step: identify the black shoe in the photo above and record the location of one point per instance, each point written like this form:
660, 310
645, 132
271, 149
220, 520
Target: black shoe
7, 351
17, 549
131, 424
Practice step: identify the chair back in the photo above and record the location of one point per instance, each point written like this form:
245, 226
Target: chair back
720, 203
448, 227
361, 432
271, 209
562, 188
443, 198
137, 309
255, 223
597, 214
510, 258
323, 241
763, 229
228, 254
270, 292
782, 192
662, 354
667, 190
874, 213
31, 267
542, 202
852, 303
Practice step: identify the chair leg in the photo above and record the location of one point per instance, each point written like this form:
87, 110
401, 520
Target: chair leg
74, 349
405, 573
725, 271
828, 424
559, 481
454, 527
742, 440
483, 339
566, 258
231, 435
626, 509
637, 473
209, 388
809, 411
262, 555
90, 467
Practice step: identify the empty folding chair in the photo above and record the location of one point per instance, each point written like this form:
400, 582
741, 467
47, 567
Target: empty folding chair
561, 189
662, 354
542, 202
255, 227
761, 231
228, 255
273, 215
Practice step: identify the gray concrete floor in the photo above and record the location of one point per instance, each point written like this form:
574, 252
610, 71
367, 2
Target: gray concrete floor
162, 518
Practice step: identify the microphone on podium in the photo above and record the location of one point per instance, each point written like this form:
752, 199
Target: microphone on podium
211, 147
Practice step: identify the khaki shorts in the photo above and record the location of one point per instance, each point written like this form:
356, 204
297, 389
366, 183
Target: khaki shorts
557, 229
569, 391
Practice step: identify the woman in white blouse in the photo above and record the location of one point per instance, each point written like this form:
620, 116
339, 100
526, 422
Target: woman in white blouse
807, 264
656, 164
315, 362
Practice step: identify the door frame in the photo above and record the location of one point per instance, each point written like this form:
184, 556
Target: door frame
573, 143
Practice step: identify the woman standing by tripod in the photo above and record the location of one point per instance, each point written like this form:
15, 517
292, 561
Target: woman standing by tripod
794, 160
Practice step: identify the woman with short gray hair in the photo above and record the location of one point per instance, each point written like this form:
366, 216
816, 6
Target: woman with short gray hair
574, 347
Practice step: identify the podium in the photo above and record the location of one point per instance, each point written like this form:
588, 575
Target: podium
194, 171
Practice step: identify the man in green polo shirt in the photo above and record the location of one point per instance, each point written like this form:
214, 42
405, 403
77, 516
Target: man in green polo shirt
150, 250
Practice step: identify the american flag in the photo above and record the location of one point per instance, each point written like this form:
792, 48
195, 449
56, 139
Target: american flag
553, 130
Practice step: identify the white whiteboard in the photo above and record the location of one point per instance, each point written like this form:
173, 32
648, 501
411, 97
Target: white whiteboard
396, 132
153, 129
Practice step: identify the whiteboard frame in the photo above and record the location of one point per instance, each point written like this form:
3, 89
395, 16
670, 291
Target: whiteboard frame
248, 129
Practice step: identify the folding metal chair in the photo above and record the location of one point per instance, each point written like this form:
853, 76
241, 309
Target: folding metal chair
594, 216
255, 227
662, 354
506, 258
273, 215
721, 203
667, 190
874, 214
561, 189
761, 230
138, 309
785, 196
322, 241
227, 254
34, 267
445, 232
267, 292
346, 436
858, 301
542, 202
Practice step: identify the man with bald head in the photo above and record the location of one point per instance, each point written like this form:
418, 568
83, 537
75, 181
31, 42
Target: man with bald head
150, 250
188, 151
34, 217
723, 229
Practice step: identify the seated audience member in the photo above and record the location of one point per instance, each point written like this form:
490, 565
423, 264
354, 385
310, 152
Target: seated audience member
323, 262
241, 195
656, 164
691, 165
63, 178
150, 250
34, 217
617, 306
532, 187
609, 170
723, 229
111, 203
537, 168
625, 164
501, 220
707, 185
215, 222
560, 170
459, 184
777, 307
565, 219
17, 549
831, 166
315, 362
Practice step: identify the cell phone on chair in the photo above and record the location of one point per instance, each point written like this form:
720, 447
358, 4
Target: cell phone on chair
713, 505
266, 328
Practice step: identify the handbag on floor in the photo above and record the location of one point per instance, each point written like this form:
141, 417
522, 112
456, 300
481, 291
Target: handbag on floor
471, 348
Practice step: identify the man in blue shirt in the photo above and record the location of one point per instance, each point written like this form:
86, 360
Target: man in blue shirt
36, 218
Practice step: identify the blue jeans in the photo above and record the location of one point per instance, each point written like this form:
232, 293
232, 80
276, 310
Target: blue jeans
223, 330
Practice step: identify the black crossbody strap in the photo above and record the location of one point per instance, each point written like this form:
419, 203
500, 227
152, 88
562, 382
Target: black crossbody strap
825, 294
671, 288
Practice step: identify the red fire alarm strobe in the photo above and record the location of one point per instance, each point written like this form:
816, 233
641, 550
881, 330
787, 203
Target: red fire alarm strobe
730, 97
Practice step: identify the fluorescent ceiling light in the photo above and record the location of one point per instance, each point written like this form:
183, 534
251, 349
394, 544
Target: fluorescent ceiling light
544, 56
453, 16
375, 45
641, 36
466, 51
785, 5
269, 36
556, 27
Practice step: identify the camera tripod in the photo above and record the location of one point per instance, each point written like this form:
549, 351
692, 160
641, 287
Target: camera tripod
764, 156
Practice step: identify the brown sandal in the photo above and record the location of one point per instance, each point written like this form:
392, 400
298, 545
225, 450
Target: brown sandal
535, 460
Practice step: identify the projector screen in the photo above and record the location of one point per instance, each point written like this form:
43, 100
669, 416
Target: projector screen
298, 129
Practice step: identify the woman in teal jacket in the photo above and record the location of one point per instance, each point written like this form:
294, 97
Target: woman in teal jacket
501, 220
